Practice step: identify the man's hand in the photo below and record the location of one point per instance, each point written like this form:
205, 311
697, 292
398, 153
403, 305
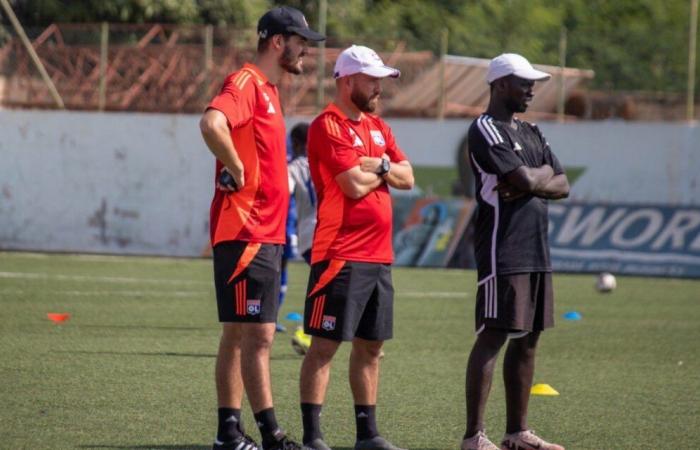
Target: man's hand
230, 181
370, 164
508, 192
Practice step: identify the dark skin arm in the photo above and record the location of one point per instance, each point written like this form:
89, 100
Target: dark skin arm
538, 181
557, 187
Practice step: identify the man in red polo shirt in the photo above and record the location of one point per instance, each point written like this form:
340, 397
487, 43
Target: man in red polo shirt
244, 128
353, 159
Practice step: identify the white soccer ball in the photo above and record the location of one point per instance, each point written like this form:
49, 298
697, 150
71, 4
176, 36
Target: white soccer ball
606, 282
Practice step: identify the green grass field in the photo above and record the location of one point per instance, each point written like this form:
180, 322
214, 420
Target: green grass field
133, 367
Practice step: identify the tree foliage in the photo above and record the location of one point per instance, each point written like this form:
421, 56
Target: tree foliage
631, 44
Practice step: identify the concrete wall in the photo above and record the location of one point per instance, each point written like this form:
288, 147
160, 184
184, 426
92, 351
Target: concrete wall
624, 161
142, 183
124, 183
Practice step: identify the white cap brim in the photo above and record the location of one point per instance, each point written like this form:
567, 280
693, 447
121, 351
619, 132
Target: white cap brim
381, 72
532, 74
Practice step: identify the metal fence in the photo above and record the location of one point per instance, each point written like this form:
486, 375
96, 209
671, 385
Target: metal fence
177, 69
158, 68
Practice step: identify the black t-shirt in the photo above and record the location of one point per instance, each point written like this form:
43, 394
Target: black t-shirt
510, 237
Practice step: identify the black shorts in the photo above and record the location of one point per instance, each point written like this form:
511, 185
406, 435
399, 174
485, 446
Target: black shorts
247, 280
348, 299
518, 302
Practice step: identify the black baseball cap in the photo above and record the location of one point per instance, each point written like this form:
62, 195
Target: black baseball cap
286, 20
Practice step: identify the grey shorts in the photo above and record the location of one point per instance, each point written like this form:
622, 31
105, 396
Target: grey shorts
518, 302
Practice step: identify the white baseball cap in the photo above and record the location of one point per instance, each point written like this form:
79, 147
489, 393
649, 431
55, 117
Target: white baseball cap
361, 59
513, 64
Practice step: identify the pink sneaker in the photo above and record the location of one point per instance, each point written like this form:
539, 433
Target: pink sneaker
478, 442
527, 440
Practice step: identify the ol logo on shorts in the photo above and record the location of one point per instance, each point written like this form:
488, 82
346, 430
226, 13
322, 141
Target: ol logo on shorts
328, 323
253, 307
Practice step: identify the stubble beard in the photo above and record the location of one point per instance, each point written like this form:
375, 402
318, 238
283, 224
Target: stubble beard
291, 63
363, 103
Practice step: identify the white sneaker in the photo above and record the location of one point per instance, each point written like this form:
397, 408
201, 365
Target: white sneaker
527, 440
478, 442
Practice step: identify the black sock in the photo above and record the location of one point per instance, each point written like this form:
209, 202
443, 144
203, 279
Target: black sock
366, 422
311, 418
230, 425
267, 423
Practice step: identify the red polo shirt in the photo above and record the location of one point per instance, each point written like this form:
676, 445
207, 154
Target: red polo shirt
258, 212
348, 229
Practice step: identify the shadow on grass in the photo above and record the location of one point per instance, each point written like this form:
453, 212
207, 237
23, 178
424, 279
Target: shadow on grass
285, 357
197, 447
145, 327
409, 447
186, 355
153, 447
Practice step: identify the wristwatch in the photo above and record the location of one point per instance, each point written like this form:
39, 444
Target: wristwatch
384, 167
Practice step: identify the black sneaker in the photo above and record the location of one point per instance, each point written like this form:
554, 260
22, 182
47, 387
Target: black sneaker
283, 443
375, 443
316, 444
243, 442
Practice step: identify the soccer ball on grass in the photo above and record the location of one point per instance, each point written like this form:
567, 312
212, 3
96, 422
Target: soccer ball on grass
606, 282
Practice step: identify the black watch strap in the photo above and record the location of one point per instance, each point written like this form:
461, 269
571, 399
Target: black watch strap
384, 167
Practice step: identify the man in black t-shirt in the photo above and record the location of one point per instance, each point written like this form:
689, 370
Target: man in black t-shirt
516, 173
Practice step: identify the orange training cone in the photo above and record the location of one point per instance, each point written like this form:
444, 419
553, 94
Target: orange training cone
58, 317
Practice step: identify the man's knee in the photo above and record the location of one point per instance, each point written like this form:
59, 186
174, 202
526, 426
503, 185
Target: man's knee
322, 350
231, 334
526, 344
367, 349
257, 336
491, 339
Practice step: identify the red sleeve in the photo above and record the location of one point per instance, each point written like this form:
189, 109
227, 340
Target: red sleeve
333, 145
236, 99
392, 149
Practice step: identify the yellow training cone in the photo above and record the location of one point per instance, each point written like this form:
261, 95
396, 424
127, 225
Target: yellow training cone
543, 389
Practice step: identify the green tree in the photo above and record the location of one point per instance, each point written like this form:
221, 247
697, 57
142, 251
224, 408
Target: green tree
631, 44
242, 13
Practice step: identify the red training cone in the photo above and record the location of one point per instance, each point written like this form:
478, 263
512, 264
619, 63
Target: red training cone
58, 317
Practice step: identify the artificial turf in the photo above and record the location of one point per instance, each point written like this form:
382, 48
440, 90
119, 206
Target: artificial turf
133, 366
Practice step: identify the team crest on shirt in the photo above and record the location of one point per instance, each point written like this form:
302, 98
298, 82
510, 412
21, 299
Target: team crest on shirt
253, 307
378, 137
357, 142
328, 323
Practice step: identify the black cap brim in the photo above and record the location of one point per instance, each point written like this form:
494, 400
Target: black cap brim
307, 33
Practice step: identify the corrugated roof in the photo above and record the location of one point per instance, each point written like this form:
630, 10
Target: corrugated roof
467, 93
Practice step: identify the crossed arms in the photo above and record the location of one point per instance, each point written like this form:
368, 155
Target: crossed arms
363, 179
538, 181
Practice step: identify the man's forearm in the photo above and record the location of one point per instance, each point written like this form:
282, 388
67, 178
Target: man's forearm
541, 176
400, 176
356, 184
557, 187
220, 145
216, 134
367, 182
530, 179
